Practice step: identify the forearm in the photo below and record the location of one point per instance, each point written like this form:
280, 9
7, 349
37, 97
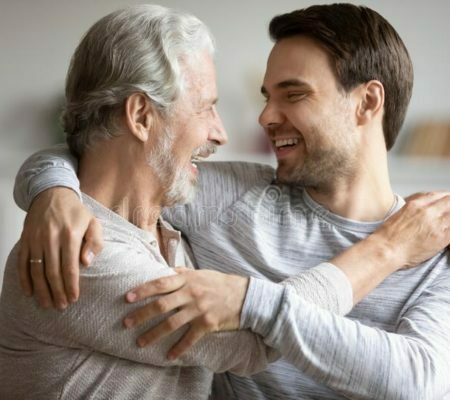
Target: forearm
324, 285
43, 170
356, 360
348, 277
366, 264
95, 322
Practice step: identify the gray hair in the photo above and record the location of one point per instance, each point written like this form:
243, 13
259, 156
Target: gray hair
136, 49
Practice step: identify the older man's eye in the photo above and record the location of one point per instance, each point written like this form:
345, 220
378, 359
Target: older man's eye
205, 111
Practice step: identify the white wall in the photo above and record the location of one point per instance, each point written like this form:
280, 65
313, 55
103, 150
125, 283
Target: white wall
37, 39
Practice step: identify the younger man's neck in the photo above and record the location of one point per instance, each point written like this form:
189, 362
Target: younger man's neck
357, 205
366, 197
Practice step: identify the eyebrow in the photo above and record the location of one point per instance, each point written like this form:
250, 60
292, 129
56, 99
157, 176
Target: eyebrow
286, 84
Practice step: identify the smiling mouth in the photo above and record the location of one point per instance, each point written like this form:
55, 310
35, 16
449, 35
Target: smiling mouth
202, 156
284, 147
284, 143
196, 159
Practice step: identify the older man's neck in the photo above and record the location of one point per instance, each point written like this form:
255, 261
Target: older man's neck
122, 183
365, 197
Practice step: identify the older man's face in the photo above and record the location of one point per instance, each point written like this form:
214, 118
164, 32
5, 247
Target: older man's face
192, 131
196, 122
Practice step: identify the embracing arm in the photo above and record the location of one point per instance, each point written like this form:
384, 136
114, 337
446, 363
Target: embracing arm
58, 211
44, 170
359, 361
58, 214
95, 321
57, 228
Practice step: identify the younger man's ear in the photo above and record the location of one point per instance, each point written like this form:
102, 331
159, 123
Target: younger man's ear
139, 115
370, 102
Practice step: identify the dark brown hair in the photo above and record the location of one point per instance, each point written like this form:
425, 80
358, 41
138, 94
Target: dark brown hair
363, 46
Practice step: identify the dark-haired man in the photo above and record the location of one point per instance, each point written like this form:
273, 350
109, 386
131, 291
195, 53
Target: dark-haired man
337, 85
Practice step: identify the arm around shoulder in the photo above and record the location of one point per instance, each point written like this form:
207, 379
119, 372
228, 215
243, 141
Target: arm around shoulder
95, 321
43, 170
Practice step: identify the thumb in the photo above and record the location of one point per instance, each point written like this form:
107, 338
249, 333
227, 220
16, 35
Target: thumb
93, 242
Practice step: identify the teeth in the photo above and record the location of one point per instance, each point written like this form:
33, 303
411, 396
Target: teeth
199, 157
285, 142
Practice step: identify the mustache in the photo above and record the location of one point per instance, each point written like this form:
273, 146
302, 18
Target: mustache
205, 150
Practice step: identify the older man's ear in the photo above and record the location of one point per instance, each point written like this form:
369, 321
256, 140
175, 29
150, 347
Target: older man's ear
139, 115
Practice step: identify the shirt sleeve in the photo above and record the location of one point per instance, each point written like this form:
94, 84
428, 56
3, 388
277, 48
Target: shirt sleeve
356, 360
45, 169
324, 285
220, 184
95, 321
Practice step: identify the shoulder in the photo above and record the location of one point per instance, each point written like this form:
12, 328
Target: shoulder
123, 255
219, 181
441, 271
220, 184
241, 172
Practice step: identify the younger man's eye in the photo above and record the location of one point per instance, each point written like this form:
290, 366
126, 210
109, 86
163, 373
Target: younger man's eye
295, 96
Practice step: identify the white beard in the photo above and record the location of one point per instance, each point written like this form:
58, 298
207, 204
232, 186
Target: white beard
175, 179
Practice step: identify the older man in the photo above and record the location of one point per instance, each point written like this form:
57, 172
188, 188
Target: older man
137, 137
338, 83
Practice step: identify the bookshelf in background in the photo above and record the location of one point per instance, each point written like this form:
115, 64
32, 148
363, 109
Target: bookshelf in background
430, 139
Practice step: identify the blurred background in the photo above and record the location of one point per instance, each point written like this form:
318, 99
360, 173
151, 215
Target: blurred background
37, 39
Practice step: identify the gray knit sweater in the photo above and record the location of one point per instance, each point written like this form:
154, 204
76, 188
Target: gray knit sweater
85, 353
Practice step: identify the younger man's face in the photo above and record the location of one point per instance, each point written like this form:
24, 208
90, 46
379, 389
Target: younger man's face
308, 119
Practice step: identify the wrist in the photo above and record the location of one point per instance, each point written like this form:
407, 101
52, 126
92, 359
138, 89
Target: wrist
368, 263
240, 287
382, 252
51, 192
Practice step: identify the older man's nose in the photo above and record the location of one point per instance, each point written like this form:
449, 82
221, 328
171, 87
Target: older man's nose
218, 133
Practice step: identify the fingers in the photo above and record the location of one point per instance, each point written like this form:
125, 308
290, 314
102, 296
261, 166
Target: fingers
93, 242
189, 339
37, 271
443, 208
53, 230
160, 306
156, 287
70, 255
165, 328
433, 209
424, 198
53, 274
24, 268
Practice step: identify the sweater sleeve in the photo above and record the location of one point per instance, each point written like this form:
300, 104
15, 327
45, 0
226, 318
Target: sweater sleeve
43, 170
356, 360
95, 321
220, 184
